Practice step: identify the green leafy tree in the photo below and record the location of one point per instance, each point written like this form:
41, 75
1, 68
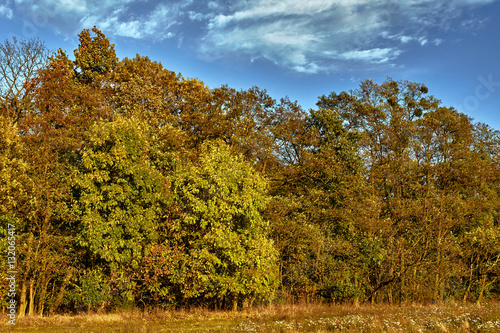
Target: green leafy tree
231, 260
118, 200
14, 193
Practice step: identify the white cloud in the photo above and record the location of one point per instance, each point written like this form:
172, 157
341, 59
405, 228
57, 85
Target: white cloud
315, 35
303, 35
72, 5
310, 68
194, 16
473, 2
127, 18
376, 55
284, 7
405, 39
153, 25
6, 10
437, 41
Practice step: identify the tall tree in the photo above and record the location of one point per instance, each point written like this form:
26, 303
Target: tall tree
319, 186
229, 256
426, 168
20, 61
118, 200
95, 58
64, 109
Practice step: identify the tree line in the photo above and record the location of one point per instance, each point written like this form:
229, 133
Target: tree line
132, 186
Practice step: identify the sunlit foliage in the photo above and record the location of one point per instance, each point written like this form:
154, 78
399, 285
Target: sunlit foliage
133, 186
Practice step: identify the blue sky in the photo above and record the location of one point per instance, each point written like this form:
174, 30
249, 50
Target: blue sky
294, 48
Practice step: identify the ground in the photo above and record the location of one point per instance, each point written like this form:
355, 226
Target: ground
448, 317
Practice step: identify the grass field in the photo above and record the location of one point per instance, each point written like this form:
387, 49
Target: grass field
284, 318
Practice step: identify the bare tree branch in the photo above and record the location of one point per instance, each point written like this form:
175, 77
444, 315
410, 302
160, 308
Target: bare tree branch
20, 60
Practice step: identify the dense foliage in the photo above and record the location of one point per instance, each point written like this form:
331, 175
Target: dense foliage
130, 185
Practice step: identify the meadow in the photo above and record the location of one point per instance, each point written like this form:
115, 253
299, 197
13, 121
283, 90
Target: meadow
447, 317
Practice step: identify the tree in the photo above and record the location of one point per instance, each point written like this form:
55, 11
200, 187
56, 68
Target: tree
230, 258
14, 191
428, 170
20, 61
31, 203
385, 117
95, 58
118, 200
319, 187
64, 109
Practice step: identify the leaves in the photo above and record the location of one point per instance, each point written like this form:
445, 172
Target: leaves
131, 185
114, 172
222, 228
94, 58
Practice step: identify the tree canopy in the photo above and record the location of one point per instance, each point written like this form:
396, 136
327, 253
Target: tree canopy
131, 185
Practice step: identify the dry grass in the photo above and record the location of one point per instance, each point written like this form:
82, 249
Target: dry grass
284, 318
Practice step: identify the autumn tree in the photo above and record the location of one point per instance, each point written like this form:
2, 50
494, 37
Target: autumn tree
42, 256
424, 166
131, 185
318, 186
384, 116
20, 61
62, 110
95, 58
142, 87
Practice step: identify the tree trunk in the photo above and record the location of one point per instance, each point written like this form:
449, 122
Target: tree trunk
389, 291
31, 305
414, 288
235, 304
22, 301
436, 288
356, 297
60, 294
464, 300
43, 295
482, 285
402, 281
469, 284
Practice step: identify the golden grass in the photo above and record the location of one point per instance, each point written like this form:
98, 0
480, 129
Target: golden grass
449, 317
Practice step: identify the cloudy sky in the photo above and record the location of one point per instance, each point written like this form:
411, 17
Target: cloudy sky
296, 48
